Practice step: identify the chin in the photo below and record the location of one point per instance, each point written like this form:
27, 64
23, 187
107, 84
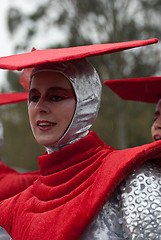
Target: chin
46, 143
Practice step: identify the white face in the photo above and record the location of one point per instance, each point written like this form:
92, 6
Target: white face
156, 127
51, 107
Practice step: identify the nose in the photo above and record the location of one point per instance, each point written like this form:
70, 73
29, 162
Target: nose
157, 123
41, 106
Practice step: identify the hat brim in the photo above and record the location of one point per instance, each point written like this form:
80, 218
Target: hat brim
38, 57
7, 98
146, 89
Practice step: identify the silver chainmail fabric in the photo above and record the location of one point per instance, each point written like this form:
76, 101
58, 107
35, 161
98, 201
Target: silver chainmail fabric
141, 203
106, 224
133, 212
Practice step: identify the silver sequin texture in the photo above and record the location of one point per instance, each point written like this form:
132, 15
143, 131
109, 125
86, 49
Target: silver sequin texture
133, 212
140, 203
107, 224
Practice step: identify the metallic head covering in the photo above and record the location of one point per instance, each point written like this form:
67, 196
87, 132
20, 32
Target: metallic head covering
87, 87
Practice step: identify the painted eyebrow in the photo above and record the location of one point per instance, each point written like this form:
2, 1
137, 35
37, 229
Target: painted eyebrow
69, 91
51, 88
59, 88
157, 112
32, 90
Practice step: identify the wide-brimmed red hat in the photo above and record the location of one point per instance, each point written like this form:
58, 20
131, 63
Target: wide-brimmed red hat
145, 89
38, 57
31, 59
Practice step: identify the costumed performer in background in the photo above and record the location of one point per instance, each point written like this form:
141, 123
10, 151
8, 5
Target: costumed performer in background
78, 172
11, 181
140, 195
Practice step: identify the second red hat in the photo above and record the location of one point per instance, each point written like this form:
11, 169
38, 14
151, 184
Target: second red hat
146, 89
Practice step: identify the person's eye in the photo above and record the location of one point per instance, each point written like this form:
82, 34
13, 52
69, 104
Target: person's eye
34, 98
57, 98
155, 118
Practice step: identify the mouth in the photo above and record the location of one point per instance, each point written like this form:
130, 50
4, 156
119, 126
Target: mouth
157, 137
45, 125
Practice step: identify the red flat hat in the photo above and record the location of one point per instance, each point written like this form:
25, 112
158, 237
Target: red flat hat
38, 57
146, 89
6, 98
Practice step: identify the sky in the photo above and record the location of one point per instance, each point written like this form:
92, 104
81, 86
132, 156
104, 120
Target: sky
7, 42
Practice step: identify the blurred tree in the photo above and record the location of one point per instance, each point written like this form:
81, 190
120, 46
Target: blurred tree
52, 24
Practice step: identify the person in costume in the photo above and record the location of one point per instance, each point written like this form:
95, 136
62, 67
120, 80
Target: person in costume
145, 89
75, 196
156, 127
10, 179
140, 194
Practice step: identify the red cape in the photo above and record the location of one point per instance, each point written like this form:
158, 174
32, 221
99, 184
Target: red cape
74, 184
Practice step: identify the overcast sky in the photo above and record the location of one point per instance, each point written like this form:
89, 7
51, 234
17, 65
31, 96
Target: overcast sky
7, 42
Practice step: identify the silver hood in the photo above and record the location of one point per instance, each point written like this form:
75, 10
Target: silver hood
87, 87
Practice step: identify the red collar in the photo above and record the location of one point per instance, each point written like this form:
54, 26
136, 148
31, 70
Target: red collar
71, 155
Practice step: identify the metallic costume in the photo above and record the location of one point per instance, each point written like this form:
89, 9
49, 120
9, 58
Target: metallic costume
141, 203
4, 235
133, 212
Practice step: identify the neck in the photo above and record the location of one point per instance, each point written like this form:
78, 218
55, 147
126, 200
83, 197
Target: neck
51, 149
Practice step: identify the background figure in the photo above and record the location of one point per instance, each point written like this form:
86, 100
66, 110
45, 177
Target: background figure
140, 195
156, 127
3, 234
